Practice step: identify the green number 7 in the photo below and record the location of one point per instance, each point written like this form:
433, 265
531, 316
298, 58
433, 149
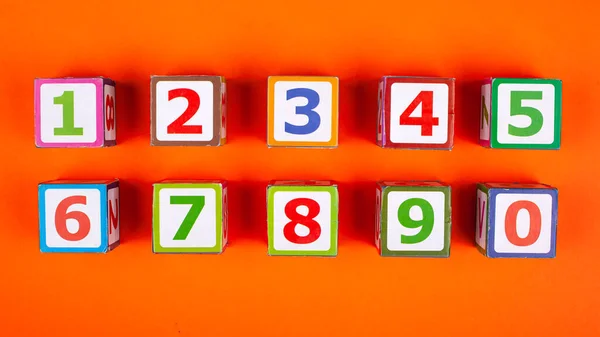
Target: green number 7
197, 202
426, 223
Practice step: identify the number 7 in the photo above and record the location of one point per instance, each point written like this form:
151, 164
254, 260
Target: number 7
197, 202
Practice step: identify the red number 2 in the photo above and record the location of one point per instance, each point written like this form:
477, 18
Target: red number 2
289, 230
113, 216
62, 215
426, 121
193, 105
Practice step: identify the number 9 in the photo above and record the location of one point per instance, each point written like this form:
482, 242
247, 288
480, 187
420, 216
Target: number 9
426, 224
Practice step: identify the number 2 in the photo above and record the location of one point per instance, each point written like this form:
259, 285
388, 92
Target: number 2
314, 120
426, 121
68, 113
193, 99
197, 202
426, 224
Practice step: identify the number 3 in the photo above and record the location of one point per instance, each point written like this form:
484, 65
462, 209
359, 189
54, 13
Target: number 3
314, 120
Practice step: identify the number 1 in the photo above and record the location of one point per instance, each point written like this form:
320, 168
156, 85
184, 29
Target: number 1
197, 202
68, 104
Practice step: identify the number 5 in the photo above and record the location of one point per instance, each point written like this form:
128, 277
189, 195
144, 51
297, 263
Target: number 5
197, 202
314, 120
517, 109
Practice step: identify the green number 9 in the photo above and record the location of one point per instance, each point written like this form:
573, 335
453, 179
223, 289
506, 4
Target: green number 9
426, 224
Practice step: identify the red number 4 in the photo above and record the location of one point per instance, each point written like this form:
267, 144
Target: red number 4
426, 121
193, 99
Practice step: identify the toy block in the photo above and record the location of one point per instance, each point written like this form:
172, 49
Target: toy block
303, 111
302, 218
516, 220
416, 113
75, 112
190, 216
77, 216
188, 110
519, 113
413, 219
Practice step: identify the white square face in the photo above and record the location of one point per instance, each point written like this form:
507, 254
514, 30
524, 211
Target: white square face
419, 103
73, 218
481, 221
316, 215
517, 103
177, 204
308, 109
485, 117
182, 107
421, 224
113, 215
68, 112
528, 226
110, 115
378, 218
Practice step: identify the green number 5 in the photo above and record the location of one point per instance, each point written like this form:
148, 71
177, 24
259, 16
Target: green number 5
517, 109
426, 223
197, 202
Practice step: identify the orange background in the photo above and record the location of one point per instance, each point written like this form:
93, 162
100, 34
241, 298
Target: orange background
132, 292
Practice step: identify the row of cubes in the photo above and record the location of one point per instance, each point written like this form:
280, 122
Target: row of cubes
413, 112
412, 219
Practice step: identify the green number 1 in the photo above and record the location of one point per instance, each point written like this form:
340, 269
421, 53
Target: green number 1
426, 223
68, 128
517, 109
197, 202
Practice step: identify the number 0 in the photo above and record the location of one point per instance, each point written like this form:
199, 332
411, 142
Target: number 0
535, 223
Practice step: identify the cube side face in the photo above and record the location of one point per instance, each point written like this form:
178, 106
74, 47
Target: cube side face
378, 217
381, 113
416, 221
418, 112
482, 221
223, 110
69, 112
522, 222
188, 218
302, 220
73, 218
485, 114
527, 113
114, 216
303, 111
225, 213
109, 112
186, 110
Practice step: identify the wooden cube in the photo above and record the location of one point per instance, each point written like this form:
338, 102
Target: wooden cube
416, 113
519, 113
516, 220
188, 110
190, 216
302, 218
303, 111
75, 112
77, 216
413, 219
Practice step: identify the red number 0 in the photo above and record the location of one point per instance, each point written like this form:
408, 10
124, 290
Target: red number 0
289, 230
110, 112
426, 121
193, 105
62, 215
535, 223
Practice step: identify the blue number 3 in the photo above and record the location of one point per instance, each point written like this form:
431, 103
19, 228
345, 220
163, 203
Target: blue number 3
314, 120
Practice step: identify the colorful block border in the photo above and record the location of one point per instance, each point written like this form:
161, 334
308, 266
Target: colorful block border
216, 81
42, 187
333, 142
494, 143
98, 82
332, 189
157, 248
386, 189
493, 193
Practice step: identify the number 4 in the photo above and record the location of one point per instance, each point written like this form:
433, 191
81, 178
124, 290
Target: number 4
426, 121
197, 202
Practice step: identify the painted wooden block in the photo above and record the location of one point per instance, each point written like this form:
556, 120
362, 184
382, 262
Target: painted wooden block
303, 111
519, 113
413, 219
516, 220
188, 110
416, 113
78, 216
190, 216
302, 218
75, 112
